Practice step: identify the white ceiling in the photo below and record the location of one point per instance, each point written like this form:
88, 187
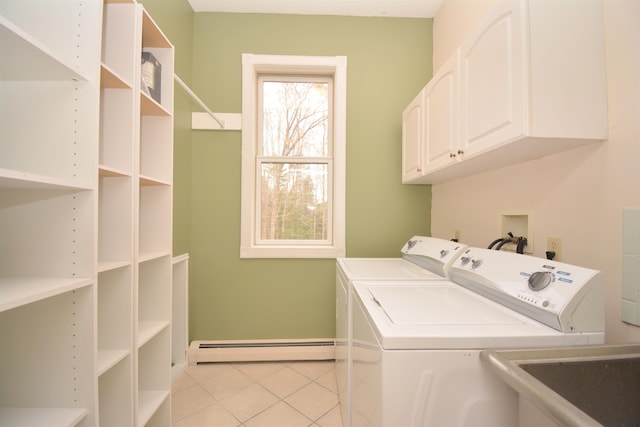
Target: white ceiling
385, 8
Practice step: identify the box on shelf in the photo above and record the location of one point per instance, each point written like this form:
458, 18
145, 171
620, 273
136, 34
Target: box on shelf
151, 72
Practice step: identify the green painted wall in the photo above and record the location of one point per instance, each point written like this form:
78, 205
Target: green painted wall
389, 61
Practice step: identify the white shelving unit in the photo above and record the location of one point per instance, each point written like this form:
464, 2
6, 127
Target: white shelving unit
155, 176
85, 216
49, 97
180, 314
136, 174
116, 229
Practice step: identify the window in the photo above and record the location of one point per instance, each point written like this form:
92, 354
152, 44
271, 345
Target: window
293, 156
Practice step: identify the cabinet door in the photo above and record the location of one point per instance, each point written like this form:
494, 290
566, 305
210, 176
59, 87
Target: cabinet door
413, 139
441, 116
493, 80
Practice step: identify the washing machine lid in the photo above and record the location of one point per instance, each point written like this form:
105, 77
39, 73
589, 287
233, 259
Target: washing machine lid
444, 315
437, 305
384, 269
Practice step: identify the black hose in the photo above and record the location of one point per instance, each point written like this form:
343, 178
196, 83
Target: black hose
495, 242
522, 242
504, 242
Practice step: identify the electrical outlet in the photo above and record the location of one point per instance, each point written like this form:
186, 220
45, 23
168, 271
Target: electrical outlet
555, 244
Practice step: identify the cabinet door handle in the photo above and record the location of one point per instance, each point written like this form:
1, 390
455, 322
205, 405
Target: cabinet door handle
452, 155
461, 152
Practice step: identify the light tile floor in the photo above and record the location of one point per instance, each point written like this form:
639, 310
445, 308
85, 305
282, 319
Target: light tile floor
264, 394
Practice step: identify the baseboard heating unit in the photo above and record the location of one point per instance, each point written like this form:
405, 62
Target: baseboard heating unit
261, 351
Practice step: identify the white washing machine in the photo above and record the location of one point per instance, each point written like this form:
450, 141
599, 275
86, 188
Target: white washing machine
422, 258
416, 345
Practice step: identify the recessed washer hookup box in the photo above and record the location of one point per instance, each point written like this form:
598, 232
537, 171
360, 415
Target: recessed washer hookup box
151, 75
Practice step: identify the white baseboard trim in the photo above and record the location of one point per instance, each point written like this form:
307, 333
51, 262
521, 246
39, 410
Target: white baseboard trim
261, 350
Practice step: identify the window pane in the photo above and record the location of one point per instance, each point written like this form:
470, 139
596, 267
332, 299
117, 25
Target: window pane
294, 201
295, 119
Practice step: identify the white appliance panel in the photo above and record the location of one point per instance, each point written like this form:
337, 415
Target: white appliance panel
435, 255
384, 269
423, 387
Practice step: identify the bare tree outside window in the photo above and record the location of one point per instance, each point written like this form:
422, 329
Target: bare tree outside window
295, 158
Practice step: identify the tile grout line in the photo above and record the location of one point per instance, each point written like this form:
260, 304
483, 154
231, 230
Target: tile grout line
282, 399
308, 380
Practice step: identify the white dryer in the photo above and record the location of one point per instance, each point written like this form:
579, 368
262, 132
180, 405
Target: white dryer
416, 345
422, 258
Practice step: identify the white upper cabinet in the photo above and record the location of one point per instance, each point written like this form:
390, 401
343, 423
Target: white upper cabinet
413, 139
429, 124
441, 116
532, 82
493, 71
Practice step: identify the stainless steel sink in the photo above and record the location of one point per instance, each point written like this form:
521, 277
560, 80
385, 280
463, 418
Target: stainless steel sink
576, 386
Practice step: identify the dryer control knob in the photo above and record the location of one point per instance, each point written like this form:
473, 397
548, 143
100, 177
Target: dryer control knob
475, 263
465, 260
539, 280
444, 253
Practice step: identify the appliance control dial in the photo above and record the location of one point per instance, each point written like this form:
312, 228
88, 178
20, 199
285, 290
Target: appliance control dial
444, 253
465, 260
539, 280
475, 263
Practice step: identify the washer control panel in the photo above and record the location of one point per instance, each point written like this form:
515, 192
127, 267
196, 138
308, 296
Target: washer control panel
537, 287
433, 254
539, 280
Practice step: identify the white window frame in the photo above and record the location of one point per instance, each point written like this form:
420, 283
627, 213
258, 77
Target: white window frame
253, 66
